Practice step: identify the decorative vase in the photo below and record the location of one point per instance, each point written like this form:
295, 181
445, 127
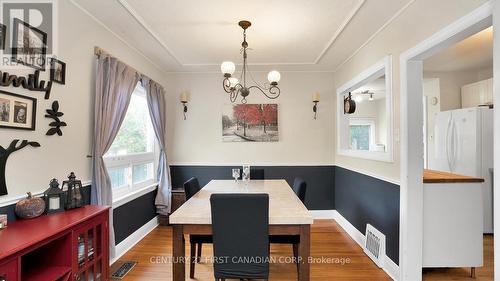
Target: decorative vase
30, 207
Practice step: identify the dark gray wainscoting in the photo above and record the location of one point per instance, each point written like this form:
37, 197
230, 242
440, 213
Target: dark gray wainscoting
320, 181
132, 215
362, 199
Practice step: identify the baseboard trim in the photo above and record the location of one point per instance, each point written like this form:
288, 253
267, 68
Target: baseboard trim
390, 267
322, 214
133, 239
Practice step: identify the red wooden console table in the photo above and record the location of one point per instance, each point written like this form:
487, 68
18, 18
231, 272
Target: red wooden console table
71, 245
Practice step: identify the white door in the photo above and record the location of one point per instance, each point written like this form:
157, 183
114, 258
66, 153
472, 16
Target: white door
465, 141
432, 106
440, 159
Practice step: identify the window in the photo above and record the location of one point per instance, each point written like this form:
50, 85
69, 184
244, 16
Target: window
361, 134
132, 158
367, 131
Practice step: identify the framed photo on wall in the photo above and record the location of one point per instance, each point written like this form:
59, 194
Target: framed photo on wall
29, 45
3, 31
57, 71
250, 123
17, 111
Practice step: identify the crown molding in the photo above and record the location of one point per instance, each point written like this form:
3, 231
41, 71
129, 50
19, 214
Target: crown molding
384, 26
253, 71
157, 38
339, 31
85, 11
148, 28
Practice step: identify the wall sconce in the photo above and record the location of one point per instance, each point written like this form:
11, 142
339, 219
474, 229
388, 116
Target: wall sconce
184, 101
315, 98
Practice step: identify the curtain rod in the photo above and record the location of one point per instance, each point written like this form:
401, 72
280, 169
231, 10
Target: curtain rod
98, 51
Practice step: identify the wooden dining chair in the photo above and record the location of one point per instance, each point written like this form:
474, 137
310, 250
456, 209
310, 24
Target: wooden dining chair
240, 228
299, 188
191, 187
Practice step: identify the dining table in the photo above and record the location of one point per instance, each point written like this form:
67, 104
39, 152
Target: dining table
287, 216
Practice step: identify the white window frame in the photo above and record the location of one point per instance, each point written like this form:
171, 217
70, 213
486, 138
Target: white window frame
360, 121
383, 67
131, 190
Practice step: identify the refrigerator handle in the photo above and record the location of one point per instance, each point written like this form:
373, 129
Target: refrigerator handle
455, 144
447, 145
452, 146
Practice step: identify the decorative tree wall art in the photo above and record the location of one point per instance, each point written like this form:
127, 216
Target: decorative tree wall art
250, 122
4, 155
56, 125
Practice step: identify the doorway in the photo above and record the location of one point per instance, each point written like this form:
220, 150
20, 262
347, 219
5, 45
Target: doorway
458, 139
412, 136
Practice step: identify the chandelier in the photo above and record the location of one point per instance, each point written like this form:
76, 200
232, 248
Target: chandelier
235, 86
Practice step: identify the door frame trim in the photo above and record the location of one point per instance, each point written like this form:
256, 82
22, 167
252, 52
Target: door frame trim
411, 118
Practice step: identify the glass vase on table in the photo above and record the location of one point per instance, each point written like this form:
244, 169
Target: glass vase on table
246, 173
236, 174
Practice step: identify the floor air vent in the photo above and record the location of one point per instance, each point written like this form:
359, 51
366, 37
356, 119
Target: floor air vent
125, 268
375, 245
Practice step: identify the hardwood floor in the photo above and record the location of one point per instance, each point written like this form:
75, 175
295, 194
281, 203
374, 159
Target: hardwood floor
328, 240
484, 273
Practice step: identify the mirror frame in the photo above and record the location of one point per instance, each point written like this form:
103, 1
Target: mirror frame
383, 67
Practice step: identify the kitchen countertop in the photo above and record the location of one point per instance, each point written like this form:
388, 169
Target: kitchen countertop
431, 176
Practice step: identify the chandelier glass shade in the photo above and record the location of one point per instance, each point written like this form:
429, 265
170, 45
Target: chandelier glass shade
235, 87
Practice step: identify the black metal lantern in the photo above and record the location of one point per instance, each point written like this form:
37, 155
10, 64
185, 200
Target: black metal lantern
74, 196
54, 198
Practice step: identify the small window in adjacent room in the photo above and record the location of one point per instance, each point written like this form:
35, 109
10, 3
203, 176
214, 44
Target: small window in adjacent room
364, 114
361, 134
132, 158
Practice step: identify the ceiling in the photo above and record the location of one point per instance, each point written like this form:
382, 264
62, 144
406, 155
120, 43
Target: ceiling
473, 53
289, 35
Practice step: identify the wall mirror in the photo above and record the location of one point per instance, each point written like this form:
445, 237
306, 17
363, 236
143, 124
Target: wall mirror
367, 132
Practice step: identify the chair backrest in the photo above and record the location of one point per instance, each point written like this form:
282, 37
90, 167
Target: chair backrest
240, 229
257, 174
191, 187
300, 187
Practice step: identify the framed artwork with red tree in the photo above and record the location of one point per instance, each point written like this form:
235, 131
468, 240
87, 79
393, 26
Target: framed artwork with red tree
250, 122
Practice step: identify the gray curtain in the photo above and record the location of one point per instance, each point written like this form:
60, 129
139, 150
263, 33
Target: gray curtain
115, 82
157, 110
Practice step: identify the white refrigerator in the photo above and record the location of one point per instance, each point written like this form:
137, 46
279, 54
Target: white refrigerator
463, 144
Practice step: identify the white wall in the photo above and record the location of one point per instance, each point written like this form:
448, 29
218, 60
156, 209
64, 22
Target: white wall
303, 140
397, 37
431, 91
31, 169
450, 84
198, 139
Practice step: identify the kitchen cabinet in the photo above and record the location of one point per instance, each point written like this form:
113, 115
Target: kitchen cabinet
476, 94
453, 221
